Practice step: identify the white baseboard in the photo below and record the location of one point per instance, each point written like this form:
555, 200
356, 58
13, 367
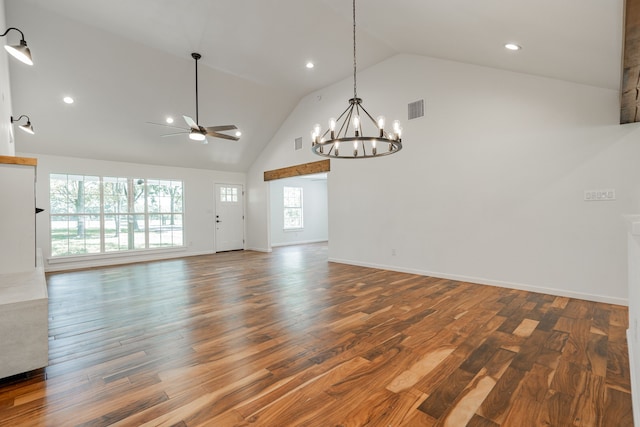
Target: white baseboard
267, 250
302, 242
635, 392
498, 283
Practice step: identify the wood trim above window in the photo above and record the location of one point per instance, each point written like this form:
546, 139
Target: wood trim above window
297, 170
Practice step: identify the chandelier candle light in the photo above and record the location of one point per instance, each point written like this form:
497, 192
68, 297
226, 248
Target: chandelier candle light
336, 141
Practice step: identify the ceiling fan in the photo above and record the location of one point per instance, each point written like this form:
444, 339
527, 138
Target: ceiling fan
195, 131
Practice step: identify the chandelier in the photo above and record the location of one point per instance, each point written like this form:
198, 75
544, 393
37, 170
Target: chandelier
345, 137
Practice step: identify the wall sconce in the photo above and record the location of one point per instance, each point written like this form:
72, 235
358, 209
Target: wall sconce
26, 127
21, 51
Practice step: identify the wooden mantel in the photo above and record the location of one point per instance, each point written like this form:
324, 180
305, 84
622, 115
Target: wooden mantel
12, 160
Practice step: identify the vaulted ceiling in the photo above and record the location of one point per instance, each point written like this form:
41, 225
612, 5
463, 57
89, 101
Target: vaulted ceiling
128, 62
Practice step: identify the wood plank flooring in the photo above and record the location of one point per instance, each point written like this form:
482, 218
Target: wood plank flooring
289, 339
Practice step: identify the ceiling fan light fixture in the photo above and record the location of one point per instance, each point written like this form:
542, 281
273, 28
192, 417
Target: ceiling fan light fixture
197, 135
20, 51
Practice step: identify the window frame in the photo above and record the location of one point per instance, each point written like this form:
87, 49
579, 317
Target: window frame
132, 204
293, 208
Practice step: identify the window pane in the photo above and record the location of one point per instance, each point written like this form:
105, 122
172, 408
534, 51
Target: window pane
176, 196
74, 194
91, 198
154, 193
139, 194
60, 226
292, 197
59, 194
75, 234
165, 230
292, 200
115, 195
228, 194
124, 232
116, 235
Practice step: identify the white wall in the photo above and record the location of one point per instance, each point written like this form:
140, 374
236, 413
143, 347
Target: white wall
489, 186
198, 204
633, 333
7, 146
314, 204
17, 251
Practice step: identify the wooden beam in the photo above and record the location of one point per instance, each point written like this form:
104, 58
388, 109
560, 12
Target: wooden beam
630, 96
297, 170
12, 160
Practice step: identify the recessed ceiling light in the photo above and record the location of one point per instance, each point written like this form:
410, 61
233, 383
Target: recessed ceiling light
512, 46
169, 120
68, 100
238, 133
310, 65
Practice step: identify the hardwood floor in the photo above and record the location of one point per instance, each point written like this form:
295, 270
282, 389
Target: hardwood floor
288, 339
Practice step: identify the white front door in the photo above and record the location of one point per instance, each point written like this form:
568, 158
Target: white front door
229, 217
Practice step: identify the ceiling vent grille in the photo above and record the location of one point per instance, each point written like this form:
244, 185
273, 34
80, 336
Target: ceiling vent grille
298, 144
416, 109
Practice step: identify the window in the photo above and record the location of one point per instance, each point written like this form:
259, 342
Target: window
75, 214
228, 194
293, 208
93, 215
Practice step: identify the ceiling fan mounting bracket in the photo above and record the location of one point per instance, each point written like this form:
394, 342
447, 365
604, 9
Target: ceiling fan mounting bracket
196, 55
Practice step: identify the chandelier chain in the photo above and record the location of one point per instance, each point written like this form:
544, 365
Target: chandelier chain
355, 92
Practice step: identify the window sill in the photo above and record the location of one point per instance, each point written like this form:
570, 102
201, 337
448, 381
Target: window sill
107, 255
287, 230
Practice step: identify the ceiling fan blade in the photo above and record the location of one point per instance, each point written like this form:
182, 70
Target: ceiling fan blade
193, 125
167, 126
222, 135
218, 128
176, 133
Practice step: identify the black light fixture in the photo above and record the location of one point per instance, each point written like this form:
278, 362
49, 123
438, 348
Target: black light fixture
26, 127
21, 51
335, 142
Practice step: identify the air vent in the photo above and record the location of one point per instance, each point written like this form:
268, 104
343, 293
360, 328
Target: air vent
416, 109
298, 143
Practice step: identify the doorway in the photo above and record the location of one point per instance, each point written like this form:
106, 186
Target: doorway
301, 219
229, 217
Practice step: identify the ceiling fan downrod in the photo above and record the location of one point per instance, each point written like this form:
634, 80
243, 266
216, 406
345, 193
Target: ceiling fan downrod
196, 56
